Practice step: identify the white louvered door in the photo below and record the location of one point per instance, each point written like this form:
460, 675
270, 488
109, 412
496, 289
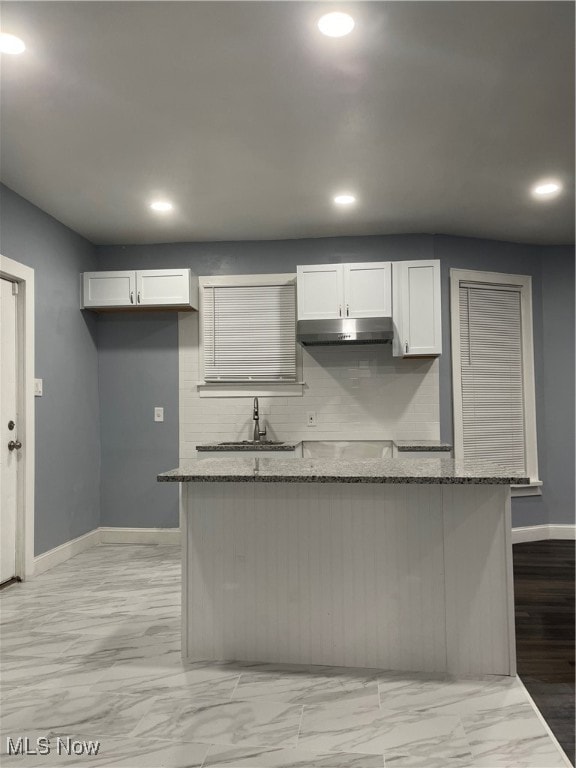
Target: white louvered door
249, 333
493, 403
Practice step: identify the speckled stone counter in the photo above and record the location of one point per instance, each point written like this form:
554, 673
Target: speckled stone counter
398, 471
404, 446
246, 446
211, 471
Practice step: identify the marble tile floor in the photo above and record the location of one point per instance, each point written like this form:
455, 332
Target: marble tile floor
90, 651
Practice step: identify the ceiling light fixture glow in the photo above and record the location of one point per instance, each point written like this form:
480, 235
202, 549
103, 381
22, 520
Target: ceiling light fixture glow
344, 199
336, 24
11, 44
546, 189
161, 206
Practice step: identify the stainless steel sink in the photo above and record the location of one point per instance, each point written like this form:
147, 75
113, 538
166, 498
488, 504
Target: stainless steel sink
253, 442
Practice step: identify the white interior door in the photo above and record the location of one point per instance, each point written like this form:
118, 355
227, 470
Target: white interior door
8, 431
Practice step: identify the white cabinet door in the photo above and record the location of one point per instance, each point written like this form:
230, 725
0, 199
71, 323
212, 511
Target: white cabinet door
163, 287
320, 292
109, 289
367, 289
416, 309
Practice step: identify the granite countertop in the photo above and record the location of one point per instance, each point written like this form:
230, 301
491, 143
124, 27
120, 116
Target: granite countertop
247, 445
430, 471
421, 445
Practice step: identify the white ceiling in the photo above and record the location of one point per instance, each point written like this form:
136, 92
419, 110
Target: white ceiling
438, 115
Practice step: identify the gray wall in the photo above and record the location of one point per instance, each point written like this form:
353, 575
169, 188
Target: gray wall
552, 309
557, 422
138, 370
67, 416
133, 360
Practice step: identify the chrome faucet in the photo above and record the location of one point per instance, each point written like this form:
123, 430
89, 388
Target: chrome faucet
258, 433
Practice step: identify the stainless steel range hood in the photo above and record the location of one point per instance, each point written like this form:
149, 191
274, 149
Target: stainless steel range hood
345, 330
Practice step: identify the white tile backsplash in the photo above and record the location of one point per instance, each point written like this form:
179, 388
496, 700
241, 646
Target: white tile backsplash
358, 393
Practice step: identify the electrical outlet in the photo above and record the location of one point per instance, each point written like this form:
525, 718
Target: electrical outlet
158, 414
311, 418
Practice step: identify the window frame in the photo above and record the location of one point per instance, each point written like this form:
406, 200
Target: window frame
524, 284
245, 389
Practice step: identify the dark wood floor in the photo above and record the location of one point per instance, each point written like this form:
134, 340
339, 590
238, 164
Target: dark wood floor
544, 592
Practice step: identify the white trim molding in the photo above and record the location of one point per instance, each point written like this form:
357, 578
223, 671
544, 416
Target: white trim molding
543, 533
294, 389
65, 551
24, 277
532, 489
112, 535
98, 536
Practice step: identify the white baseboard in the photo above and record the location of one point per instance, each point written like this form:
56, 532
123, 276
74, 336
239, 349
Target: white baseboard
139, 535
65, 551
111, 535
543, 533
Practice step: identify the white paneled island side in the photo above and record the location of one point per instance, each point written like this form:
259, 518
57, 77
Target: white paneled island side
396, 564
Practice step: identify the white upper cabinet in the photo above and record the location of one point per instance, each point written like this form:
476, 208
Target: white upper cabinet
161, 288
367, 291
416, 308
328, 291
320, 292
109, 289
165, 287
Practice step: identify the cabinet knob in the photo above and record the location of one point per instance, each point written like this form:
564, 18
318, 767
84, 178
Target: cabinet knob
14, 445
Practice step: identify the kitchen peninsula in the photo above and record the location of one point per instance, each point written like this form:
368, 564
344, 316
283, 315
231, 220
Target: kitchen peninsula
390, 563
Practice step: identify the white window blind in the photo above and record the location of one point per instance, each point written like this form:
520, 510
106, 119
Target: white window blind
249, 333
492, 376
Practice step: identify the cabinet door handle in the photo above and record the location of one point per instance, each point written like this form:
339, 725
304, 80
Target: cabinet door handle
339, 311
139, 301
131, 297
406, 346
347, 311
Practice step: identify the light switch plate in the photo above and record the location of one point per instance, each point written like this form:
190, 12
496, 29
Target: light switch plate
311, 418
38, 387
158, 414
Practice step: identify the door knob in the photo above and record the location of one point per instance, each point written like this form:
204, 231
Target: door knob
14, 445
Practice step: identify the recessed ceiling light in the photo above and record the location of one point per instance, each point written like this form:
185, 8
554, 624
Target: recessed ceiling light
162, 206
546, 189
336, 24
11, 43
345, 199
